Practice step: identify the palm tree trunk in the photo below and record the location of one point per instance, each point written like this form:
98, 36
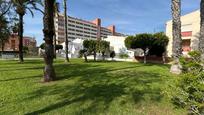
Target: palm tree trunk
55, 54
66, 33
20, 34
49, 72
201, 41
177, 41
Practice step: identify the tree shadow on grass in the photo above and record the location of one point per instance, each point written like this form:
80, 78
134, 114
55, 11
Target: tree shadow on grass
65, 71
22, 69
21, 78
96, 93
99, 85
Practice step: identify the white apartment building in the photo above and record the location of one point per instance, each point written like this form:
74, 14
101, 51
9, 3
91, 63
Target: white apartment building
190, 30
81, 29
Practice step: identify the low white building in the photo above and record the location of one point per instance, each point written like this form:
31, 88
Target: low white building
117, 44
74, 47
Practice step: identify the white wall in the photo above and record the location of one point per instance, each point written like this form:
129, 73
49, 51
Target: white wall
118, 44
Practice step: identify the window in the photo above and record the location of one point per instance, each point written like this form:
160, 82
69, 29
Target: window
186, 45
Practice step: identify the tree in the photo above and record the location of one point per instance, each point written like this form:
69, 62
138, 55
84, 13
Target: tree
58, 47
201, 38
66, 33
103, 47
159, 44
94, 46
4, 32
151, 44
49, 32
142, 41
112, 54
5, 6
25, 49
177, 41
91, 47
129, 42
21, 6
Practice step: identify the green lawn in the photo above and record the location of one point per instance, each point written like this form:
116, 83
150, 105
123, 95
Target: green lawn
102, 88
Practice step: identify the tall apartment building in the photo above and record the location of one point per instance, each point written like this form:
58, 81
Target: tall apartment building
190, 29
82, 29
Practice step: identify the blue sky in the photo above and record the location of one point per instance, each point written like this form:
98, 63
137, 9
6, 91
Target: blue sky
129, 16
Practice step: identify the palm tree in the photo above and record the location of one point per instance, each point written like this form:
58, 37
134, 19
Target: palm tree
4, 32
201, 41
177, 41
4, 7
21, 6
66, 33
49, 32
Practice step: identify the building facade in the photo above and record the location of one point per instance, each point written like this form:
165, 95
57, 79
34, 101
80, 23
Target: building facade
13, 43
190, 29
81, 29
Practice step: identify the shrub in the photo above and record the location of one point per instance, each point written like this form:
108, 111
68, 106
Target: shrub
58, 47
112, 54
25, 49
81, 53
193, 63
123, 56
189, 87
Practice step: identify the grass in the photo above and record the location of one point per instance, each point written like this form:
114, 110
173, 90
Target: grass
102, 88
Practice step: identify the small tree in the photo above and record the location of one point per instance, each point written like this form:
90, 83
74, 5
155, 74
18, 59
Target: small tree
58, 47
103, 47
151, 44
143, 41
130, 42
112, 54
25, 49
159, 45
91, 47
42, 46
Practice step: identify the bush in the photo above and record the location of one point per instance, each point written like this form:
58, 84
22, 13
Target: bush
189, 87
58, 47
25, 49
193, 63
112, 54
123, 56
81, 53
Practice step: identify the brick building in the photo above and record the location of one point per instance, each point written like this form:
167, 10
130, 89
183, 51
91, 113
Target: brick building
13, 43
